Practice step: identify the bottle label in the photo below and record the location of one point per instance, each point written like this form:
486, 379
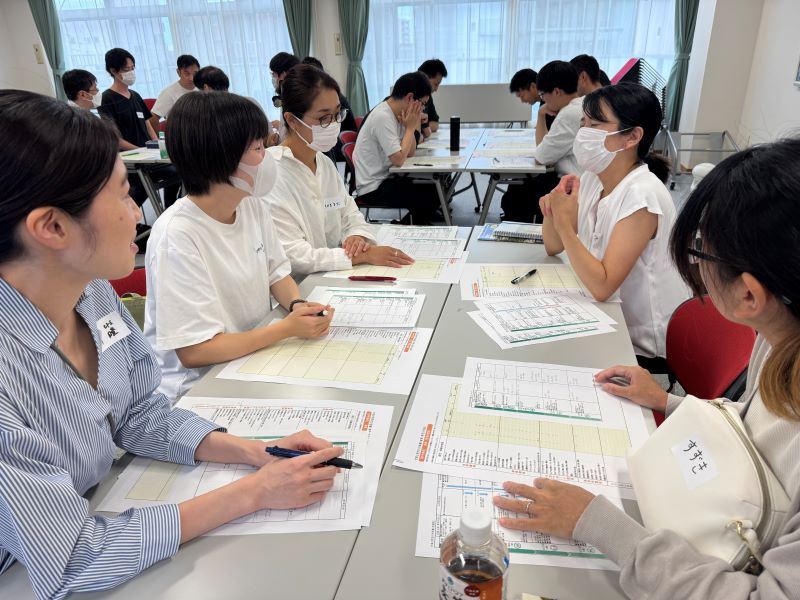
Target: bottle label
453, 588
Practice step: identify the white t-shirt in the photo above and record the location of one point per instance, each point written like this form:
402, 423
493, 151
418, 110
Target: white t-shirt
168, 97
379, 137
313, 213
653, 288
205, 277
556, 146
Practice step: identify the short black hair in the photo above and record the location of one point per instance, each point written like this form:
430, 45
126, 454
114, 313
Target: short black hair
187, 60
213, 77
584, 63
557, 74
207, 134
51, 155
415, 83
301, 87
314, 62
77, 80
433, 67
522, 80
634, 106
282, 62
116, 59
604, 80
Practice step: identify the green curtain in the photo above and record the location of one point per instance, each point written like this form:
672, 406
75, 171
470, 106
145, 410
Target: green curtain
46, 18
685, 19
354, 18
298, 19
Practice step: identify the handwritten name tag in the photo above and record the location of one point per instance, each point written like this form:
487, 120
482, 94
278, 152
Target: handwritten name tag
695, 461
333, 203
140, 114
112, 329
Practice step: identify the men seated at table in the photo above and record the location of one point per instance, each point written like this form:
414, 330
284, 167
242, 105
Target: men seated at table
436, 71
386, 139
131, 116
590, 77
523, 86
188, 65
317, 221
81, 90
557, 84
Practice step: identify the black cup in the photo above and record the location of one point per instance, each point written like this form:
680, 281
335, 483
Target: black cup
455, 133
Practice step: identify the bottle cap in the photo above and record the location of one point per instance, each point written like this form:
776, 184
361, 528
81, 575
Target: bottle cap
476, 526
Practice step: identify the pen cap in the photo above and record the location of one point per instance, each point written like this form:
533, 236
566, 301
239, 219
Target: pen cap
455, 133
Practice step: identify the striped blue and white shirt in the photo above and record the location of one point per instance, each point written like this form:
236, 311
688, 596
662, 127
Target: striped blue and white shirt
57, 440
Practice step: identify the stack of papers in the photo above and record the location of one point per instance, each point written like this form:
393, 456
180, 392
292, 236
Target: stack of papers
378, 306
362, 429
515, 421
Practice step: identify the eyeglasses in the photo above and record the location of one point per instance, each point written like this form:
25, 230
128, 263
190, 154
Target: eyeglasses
696, 253
326, 120
259, 147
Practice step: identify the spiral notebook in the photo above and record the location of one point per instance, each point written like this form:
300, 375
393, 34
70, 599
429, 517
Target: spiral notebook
509, 231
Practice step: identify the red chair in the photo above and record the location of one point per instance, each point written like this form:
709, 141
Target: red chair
706, 353
348, 137
347, 149
359, 121
149, 102
135, 283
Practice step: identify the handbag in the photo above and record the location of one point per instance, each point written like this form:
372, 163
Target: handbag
700, 475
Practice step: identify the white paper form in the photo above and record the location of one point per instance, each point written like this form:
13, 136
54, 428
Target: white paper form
506, 151
444, 498
361, 428
430, 248
443, 144
509, 340
370, 359
438, 232
540, 312
494, 281
433, 270
370, 307
439, 437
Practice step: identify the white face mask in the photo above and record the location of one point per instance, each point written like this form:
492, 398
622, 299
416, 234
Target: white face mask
590, 149
276, 83
263, 176
97, 100
128, 77
322, 138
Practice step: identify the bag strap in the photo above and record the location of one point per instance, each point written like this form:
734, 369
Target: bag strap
753, 564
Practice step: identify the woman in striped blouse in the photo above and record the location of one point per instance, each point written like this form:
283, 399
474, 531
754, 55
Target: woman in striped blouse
77, 378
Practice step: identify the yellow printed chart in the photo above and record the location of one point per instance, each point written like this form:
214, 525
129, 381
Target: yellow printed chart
380, 360
494, 281
440, 438
439, 270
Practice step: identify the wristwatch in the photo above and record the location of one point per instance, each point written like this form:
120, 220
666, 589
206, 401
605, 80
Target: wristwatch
297, 301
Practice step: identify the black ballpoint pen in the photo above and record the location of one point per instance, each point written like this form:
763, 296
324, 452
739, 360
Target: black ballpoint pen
342, 463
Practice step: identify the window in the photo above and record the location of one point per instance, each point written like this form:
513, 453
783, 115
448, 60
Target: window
484, 41
239, 36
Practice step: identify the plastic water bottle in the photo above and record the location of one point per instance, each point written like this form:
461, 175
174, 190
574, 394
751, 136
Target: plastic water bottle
473, 560
162, 145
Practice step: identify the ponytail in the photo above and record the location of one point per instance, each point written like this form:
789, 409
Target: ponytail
780, 379
658, 164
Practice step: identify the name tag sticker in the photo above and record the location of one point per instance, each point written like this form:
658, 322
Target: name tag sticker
333, 203
695, 462
140, 114
112, 329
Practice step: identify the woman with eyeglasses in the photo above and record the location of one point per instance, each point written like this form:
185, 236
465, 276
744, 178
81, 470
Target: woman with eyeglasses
614, 222
738, 238
214, 258
319, 224
78, 378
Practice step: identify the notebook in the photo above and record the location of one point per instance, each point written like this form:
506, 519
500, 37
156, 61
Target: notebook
509, 231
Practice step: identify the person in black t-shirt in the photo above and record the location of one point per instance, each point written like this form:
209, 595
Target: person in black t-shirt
436, 71
130, 114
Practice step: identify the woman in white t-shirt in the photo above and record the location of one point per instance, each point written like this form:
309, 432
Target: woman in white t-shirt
317, 221
614, 222
213, 258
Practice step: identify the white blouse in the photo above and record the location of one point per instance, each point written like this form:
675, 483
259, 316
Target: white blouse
653, 288
313, 213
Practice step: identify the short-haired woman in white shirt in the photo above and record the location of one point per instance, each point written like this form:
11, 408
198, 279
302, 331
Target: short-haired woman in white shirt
317, 221
615, 221
214, 258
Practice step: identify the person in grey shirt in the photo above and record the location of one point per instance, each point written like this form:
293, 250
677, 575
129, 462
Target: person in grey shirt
751, 281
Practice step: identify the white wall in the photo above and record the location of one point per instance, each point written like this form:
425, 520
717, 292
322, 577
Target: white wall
722, 55
18, 67
772, 103
325, 25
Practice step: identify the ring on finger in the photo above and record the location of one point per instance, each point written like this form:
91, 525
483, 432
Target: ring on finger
528, 507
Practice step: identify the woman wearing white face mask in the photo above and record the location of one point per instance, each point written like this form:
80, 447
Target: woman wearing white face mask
614, 222
317, 221
214, 258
